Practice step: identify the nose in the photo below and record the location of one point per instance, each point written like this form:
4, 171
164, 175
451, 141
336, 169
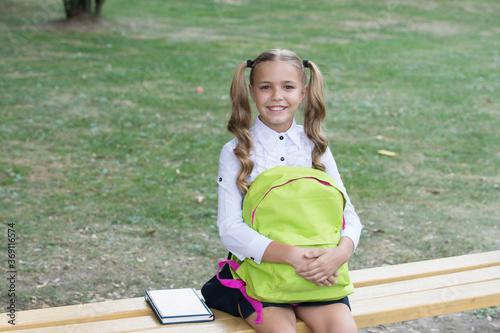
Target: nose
277, 96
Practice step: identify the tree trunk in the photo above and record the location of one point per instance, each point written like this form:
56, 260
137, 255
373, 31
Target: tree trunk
98, 7
77, 8
87, 6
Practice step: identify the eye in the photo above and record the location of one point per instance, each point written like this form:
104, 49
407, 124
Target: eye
289, 87
265, 87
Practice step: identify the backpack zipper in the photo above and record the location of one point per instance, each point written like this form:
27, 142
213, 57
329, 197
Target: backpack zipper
292, 180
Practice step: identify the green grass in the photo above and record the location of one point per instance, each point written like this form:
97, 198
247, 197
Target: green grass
106, 148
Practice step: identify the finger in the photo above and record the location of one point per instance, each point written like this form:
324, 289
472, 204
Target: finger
327, 283
304, 272
332, 280
319, 284
315, 273
305, 275
311, 275
315, 253
325, 280
319, 278
308, 267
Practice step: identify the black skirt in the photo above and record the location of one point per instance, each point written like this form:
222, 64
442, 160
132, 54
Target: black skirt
220, 297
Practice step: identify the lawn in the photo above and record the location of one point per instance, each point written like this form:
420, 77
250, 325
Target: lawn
109, 154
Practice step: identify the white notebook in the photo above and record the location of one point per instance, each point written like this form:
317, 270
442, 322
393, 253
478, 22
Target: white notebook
174, 306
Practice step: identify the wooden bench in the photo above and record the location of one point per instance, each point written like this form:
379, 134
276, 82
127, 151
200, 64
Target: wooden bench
383, 295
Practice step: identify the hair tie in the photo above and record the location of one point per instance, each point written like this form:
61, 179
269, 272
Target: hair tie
306, 63
249, 63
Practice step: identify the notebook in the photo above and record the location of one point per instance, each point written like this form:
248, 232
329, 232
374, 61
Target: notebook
174, 306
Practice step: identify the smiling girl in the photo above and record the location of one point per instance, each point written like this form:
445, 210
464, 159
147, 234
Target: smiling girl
278, 86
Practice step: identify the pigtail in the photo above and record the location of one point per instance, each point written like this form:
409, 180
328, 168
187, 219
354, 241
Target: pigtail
314, 114
239, 125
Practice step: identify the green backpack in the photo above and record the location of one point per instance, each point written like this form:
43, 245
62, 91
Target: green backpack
297, 206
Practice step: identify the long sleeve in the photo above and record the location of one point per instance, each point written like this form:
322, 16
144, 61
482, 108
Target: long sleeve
353, 225
236, 235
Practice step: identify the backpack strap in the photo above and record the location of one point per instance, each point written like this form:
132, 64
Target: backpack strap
241, 285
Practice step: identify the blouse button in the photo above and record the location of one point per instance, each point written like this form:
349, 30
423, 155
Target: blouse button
220, 179
282, 159
281, 137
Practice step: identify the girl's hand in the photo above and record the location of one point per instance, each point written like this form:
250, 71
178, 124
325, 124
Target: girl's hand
299, 257
322, 270
287, 254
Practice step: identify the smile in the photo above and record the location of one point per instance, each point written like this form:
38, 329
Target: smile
277, 108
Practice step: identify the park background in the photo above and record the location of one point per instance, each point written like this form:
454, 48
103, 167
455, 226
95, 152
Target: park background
111, 128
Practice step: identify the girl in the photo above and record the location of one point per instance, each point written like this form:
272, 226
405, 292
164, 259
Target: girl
278, 85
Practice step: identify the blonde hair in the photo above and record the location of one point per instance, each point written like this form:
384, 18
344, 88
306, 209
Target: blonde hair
240, 121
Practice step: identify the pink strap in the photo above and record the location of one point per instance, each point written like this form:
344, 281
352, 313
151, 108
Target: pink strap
241, 285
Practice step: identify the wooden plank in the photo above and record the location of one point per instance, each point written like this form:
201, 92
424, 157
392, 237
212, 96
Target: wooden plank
367, 312
82, 313
224, 323
394, 308
414, 270
121, 313
105, 326
426, 283
241, 328
408, 302
235, 325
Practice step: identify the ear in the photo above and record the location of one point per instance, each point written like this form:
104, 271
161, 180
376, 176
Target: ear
252, 92
303, 93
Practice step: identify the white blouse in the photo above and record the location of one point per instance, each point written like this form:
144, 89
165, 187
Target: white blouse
271, 149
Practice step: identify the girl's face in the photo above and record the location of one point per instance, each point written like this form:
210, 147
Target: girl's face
277, 93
